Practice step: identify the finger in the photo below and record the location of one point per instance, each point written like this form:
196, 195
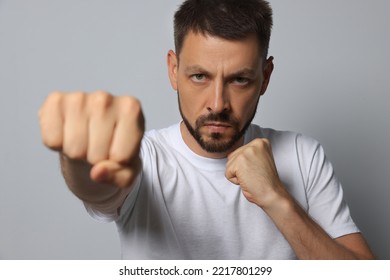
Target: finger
235, 153
75, 127
101, 132
230, 173
114, 173
51, 121
128, 131
262, 143
101, 127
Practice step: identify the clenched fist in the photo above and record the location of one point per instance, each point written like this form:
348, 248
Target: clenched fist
252, 167
98, 128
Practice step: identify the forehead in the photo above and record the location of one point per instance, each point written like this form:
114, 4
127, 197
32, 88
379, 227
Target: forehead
209, 50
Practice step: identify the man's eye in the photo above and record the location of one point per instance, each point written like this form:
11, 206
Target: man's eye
241, 81
198, 77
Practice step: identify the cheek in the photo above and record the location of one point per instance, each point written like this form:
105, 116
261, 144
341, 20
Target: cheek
189, 106
191, 101
245, 109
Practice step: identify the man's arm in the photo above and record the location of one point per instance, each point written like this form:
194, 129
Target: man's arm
309, 240
253, 168
98, 137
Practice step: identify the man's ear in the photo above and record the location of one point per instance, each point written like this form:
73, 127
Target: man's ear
172, 68
267, 71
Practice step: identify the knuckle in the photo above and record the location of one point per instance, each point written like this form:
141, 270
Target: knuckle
261, 142
54, 99
266, 141
74, 147
52, 143
75, 153
249, 151
116, 154
55, 96
76, 98
130, 106
75, 101
118, 157
100, 100
94, 159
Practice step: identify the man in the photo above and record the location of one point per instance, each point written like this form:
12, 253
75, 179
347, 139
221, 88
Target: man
213, 186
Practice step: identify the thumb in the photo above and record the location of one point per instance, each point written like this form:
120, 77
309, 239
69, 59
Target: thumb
231, 176
234, 180
114, 173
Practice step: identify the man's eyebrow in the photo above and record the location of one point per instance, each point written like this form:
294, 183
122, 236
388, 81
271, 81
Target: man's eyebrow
194, 69
244, 72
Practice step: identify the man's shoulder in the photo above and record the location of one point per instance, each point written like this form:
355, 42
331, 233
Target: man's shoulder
163, 138
281, 138
256, 131
162, 133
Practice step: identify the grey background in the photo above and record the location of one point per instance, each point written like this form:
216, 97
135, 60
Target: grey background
331, 82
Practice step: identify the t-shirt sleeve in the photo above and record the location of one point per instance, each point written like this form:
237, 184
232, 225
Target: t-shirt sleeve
326, 204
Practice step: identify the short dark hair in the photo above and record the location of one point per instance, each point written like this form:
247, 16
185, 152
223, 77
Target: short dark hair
227, 19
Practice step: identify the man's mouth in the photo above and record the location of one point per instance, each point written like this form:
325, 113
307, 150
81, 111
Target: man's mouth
219, 124
216, 127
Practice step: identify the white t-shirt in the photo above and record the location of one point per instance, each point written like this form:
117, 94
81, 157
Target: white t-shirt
183, 207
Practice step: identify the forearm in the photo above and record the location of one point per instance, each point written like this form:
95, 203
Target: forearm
306, 237
101, 196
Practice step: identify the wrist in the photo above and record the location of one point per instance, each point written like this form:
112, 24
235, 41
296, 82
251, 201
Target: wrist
279, 202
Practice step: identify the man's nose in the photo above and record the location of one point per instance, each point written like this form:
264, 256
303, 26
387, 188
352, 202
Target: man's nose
218, 99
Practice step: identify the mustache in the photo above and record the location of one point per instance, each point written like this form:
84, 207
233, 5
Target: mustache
217, 117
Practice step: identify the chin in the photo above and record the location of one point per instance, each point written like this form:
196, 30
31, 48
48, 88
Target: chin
217, 145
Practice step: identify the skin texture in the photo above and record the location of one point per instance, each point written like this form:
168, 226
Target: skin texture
98, 136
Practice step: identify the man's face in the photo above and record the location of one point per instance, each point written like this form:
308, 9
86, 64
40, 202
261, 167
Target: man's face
219, 83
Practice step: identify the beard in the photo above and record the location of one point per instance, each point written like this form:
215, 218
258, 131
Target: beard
216, 142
